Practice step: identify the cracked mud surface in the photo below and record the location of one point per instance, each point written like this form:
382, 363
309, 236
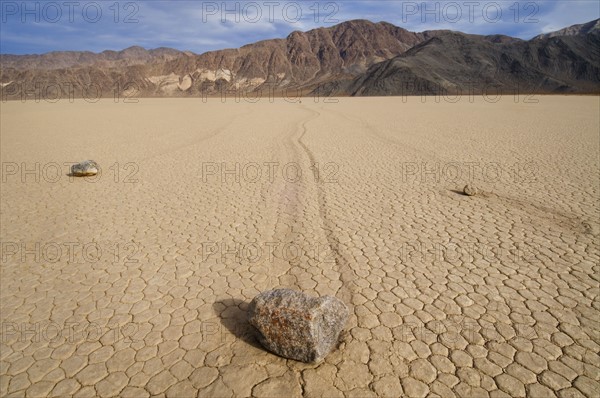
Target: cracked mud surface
136, 283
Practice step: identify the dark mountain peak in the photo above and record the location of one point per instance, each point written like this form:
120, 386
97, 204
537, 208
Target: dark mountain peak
354, 23
447, 37
165, 50
387, 24
134, 48
452, 62
502, 39
134, 51
450, 37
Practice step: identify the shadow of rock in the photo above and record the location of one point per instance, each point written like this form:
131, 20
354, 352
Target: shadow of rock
456, 191
91, 177
233, 314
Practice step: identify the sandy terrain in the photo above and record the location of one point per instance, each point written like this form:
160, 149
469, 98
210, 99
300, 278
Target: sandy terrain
136, 283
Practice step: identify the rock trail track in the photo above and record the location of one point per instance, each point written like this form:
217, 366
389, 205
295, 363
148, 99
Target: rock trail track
494, 295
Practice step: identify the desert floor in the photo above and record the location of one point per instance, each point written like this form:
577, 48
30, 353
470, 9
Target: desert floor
136, 282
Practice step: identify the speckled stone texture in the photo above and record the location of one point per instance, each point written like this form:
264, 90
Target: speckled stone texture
470, 190
85, 168
297, 326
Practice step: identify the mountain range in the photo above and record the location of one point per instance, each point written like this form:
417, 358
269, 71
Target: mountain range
357, 58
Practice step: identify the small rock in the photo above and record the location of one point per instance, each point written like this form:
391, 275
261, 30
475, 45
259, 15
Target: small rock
296, 326
591, 228
470, 190
85, 168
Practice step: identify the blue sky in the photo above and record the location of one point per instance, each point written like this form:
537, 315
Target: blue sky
199, 26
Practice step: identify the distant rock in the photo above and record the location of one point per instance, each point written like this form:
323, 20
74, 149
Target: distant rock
470, 190
85, 168
294, 325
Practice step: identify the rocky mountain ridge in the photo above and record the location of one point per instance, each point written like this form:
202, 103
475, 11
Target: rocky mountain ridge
356, 57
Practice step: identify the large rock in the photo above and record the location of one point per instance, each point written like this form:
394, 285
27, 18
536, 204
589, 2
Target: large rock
297, 326
470, 190
85, 168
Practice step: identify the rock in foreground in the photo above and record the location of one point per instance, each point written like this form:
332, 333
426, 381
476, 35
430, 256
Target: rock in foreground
470, 190
297, 326
85, 168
